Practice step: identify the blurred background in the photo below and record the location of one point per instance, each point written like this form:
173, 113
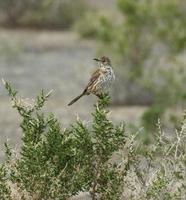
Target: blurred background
50, 44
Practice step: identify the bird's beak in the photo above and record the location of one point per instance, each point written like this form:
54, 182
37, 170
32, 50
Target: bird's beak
96, 59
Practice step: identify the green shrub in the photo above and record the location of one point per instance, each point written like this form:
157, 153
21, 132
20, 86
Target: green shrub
56, 163
92, 25
4, 188
151, 116
98, 157
87, 26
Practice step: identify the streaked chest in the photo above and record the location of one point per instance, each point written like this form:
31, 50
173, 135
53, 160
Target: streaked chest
106, 79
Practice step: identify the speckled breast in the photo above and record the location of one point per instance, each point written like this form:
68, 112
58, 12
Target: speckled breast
105, 81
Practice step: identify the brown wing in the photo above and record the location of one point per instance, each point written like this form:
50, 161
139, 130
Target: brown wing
92, 80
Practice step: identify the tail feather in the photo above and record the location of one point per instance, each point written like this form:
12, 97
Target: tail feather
75, 99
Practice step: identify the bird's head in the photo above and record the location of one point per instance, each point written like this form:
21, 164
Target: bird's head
103, 61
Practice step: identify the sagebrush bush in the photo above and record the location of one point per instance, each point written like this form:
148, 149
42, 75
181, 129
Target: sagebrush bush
43, 13
4, 188
56, 164
96, 28
98, 157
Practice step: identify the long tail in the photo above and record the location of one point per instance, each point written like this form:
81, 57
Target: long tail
75, 99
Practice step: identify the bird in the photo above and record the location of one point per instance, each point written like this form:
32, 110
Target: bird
100, 81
